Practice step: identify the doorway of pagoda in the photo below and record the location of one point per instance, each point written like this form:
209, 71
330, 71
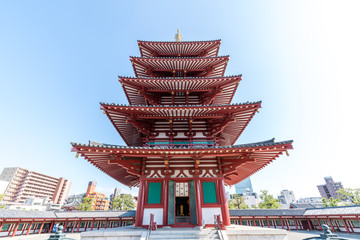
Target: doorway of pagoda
182, 203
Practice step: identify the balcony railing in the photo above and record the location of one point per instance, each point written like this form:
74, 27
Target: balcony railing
181, 144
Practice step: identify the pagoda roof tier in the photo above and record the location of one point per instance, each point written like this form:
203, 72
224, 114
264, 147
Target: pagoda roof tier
162, 67
227, 120
235, 163
223, 88
173, 49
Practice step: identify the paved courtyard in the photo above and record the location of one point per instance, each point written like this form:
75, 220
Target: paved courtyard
293, 235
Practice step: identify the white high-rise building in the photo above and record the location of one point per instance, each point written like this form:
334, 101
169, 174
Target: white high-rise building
287, 197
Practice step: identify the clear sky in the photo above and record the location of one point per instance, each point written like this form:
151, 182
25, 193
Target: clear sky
59, 59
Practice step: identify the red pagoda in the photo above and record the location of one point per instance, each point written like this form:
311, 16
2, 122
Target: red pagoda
180, 129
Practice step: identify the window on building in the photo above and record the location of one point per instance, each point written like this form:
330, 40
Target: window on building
355, 223
154, 193
20, 226
5, 227
209, 192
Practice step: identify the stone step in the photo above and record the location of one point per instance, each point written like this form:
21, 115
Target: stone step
182, 234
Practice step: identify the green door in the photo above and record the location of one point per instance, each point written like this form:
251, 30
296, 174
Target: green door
171, 204
193, 211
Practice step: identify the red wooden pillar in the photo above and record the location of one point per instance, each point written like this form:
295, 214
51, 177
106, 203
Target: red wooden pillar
28, 231
332, 227
350, 226
72, 231
347, 229
225, 208
35, 227
10, 228
198, 202
106, 222
309, 223
51, 226
319, 223
41, 227
296, 226
66, 220
86, 225
267, 220
78, 227
282, 225
92, 224
15, 229
240, 223
23, 229
120, 222
140, 209
1, 225
254, 221
287, 224
165, 197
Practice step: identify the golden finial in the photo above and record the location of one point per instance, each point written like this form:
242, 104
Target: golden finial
178, 36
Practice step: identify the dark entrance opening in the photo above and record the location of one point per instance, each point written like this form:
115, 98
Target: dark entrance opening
182, 210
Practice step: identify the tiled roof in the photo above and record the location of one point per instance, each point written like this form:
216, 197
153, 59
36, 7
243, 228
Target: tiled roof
90, 214
65, 214
181, 41
306, 205
26, 214
256, 144
345, 210
184, 78
267, 212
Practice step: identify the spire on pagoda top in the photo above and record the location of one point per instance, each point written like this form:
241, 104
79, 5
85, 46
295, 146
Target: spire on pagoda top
178, 36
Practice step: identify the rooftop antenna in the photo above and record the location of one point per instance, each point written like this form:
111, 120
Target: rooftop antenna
178, 36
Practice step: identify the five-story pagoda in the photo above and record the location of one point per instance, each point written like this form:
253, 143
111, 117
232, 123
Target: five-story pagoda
180, 129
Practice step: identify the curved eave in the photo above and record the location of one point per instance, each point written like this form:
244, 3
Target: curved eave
142, 65
132, 86
253, 157
119, 114
195, 48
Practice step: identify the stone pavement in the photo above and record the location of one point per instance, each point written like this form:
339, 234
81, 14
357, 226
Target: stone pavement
293, 235
41, 237
299, 235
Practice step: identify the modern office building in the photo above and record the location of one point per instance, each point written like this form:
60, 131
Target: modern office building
117, 193
24, 184
287, 196
244, 186
330, 188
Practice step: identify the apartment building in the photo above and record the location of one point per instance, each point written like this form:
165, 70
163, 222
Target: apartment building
24, 184
100, 201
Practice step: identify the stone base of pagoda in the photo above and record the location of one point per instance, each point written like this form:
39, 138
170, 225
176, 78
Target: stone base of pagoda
233, 232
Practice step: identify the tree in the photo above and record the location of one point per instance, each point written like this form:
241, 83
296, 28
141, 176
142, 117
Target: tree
123, 202
86, 205
238, 202
353, 195
331, 202
268, 201
1, 204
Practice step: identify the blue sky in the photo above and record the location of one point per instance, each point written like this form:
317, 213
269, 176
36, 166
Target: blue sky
58, 60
